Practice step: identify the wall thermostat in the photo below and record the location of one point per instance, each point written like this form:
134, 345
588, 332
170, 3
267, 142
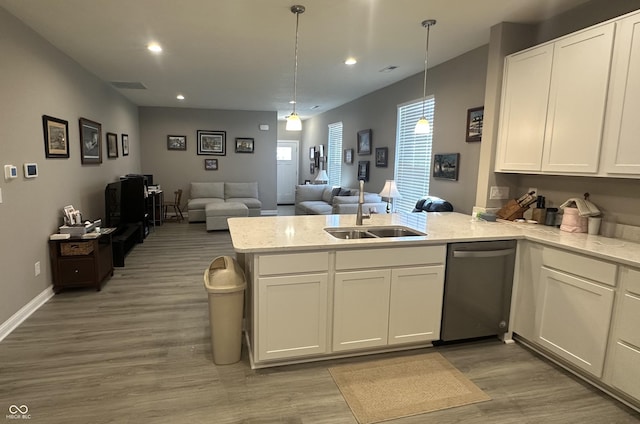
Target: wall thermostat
10, 172
30, 170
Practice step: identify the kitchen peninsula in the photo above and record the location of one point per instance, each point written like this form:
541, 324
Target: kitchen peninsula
313, 296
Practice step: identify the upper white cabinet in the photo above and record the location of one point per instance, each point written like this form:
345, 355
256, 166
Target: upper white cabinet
621, 147
577, 100
554, 99
525, 96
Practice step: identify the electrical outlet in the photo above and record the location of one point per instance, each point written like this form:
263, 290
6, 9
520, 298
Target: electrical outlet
499, 193
37, 268
535, 191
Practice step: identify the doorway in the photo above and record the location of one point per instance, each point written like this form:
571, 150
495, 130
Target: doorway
287, 171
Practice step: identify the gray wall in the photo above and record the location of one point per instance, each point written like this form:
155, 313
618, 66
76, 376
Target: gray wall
457, 85
176, 169
37, 79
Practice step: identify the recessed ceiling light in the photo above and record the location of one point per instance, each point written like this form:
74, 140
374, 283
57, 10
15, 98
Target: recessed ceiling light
292, 102
350, 61
180, 97
154, 47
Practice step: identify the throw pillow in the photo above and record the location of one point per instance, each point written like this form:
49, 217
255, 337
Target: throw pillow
344, 192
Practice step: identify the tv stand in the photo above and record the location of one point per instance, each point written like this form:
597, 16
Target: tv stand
123, 240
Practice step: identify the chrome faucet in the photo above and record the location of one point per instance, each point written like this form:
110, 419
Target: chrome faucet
359, 215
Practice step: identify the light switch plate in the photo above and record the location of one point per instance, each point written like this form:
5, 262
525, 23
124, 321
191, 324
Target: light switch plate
10, 172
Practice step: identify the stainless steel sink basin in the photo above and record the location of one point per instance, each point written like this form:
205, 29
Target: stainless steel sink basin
373, 232
394, 232
349, 233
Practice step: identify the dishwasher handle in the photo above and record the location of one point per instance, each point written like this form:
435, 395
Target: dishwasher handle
483, 253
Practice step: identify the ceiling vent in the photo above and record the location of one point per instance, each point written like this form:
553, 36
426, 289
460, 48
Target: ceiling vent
388, 69
128, 85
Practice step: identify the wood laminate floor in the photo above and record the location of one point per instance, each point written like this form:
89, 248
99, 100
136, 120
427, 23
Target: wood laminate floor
139, 352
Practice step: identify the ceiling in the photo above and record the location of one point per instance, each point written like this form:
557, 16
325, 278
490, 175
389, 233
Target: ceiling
239, 54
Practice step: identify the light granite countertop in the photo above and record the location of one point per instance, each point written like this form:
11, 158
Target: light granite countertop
306, 232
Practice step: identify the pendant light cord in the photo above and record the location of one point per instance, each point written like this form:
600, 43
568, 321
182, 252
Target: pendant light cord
426, 55
297, 10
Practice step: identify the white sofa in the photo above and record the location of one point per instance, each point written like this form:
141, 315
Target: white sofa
203, 193
322, 199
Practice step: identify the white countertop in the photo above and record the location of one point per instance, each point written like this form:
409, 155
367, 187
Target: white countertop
306, 232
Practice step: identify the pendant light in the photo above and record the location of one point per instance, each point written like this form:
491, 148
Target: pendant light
423, 126
293, 120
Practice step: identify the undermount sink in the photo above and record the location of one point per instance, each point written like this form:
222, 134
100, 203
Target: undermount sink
373, 232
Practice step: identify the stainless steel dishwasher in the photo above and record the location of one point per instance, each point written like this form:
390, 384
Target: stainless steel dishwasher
477, 291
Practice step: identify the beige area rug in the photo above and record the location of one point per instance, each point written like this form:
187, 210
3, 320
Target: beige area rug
400, 387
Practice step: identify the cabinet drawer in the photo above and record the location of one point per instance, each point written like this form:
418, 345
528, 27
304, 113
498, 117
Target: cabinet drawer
293, 263
390, 257
629, 319
76, 271
583, 266
631, 280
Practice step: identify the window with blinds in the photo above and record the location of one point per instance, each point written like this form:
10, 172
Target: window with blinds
334, 155
413, 154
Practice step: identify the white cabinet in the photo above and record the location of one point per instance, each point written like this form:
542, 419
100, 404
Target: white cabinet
361, 309
554, 99
525, 96
577, 100
621, 147
573, 319
625, 358
397, 302
291, 305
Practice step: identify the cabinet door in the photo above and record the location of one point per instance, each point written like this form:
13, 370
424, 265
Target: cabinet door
577, 99
415, 307
361, 309
622, 149
573, 317
525, 96
292, 316
626, 350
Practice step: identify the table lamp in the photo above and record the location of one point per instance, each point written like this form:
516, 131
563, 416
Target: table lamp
390, 191
322, 177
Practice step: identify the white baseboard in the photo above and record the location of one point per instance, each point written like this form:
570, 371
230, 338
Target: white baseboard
269, 212
25, 312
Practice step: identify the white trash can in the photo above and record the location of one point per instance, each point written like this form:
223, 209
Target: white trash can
224, 281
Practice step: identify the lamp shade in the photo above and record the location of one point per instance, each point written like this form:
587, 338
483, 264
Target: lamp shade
322, 177
422, 126
390, 190
294, 123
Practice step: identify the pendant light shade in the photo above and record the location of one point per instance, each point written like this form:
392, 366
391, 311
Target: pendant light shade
423, 126
293, 121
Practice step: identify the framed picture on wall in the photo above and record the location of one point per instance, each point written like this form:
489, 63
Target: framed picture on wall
211, 164
364, 142
312, 153
363, 170
176, 142
212, 143
382, 154
475, 119
348, 156
112, 145
445, 166
312, 168
125, 144
90, 141
56, 137
244, 145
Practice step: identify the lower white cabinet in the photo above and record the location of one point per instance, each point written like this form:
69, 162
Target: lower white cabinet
374, 308
292, 316
573, 318
361, 309
625, 358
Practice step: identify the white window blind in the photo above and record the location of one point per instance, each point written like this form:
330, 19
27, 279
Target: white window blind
334, 155
413, 154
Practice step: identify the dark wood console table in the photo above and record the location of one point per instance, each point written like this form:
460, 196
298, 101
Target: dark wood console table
81, 262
